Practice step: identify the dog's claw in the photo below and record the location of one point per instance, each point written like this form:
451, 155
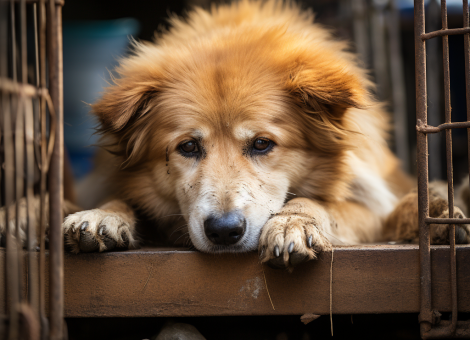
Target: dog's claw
84, 226
101, 230
291, 248
310, 241
276, 251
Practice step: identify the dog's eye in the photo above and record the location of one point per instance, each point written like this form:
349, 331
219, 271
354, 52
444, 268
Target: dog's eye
189, 147
262, 145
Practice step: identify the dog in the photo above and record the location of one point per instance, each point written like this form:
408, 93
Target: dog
247, 127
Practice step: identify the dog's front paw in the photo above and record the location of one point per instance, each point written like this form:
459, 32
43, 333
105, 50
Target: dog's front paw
290, 239
97, 230
440, 232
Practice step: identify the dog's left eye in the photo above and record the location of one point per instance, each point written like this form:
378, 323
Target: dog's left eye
262, 145
189, 148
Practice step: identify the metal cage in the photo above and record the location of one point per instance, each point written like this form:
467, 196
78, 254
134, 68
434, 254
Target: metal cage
31, 106
431, 325
31, 176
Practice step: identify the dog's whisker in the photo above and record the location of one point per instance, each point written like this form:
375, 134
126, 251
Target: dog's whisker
178, 229
185, 234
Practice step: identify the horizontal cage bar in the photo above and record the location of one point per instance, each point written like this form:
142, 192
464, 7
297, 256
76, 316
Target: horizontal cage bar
9, 86
435, 220
439, 128
443, 32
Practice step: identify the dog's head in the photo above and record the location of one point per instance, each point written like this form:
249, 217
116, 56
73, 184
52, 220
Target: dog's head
224, 128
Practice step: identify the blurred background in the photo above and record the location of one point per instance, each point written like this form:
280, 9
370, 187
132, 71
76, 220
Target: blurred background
97, 33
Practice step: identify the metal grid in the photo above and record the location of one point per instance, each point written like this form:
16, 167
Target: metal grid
431, 325
30, 97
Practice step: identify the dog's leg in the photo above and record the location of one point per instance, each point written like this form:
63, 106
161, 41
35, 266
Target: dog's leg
68, 208
304, 228
109, 227
402, 223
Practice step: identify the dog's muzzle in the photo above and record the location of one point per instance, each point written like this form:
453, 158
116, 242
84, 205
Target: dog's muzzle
227, 229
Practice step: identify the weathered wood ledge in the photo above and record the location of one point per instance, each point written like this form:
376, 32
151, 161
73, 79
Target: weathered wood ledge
178, 282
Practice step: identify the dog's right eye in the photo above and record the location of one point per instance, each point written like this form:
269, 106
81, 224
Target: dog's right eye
189, 148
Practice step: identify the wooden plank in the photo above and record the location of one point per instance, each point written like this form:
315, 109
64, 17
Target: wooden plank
168, 282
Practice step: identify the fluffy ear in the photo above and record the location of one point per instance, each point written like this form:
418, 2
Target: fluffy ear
123, 102
327, 89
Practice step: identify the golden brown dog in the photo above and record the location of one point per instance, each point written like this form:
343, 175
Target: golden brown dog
257, 128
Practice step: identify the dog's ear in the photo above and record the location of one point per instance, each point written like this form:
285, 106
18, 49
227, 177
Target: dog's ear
327, 89
123, 102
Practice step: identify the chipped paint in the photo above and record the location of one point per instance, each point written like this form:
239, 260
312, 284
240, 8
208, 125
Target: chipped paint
252, 287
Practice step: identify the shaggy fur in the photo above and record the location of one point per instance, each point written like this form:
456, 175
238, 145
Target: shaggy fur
223, 79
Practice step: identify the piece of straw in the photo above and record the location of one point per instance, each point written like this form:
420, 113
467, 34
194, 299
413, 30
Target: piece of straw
266, 283
331, 290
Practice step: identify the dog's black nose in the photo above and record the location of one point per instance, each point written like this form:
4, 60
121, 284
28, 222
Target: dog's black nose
227, 229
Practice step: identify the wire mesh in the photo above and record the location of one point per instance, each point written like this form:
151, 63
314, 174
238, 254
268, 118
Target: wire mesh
31, 155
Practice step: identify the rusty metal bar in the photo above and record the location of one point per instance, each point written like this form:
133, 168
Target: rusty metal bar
434, 129
12, 260
428, 318
442, 330
6, 85
426, 315
56, 256
450, 172
444, 32
466, 23
28, 180
43, 169
31, 230
435, 220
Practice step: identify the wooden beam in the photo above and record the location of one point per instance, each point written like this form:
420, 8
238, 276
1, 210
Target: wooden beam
171, 282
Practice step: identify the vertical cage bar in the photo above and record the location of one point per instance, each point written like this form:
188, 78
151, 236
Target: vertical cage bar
19, 163
56, 248
466, 23
43, 169
12, 252
425, 315
450, 184
31, 230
